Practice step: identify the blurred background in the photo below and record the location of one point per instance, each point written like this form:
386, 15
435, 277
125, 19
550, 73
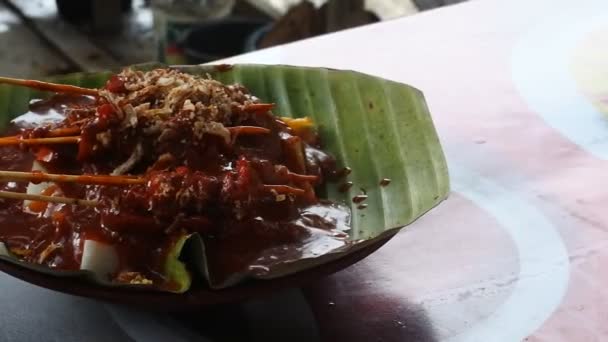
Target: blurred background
45, 37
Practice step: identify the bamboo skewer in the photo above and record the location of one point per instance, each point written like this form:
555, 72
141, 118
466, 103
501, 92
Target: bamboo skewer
46, 86
38, 177
248, 130
56, 136
64, 135
63, 132
66, 88
281, 189
284, 189
55, 133
258, 108
43, 198
9, 141
297, 176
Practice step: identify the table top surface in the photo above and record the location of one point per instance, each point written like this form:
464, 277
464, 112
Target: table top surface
519, 95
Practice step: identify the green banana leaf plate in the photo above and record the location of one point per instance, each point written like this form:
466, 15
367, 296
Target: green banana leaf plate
378, 128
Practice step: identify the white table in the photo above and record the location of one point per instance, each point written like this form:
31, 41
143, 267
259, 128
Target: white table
518, 250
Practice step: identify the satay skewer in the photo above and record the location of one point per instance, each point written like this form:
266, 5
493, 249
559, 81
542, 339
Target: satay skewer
44, 198
282, 189
38, 177
16, 140
66, 88
300, 177
63, 132
46, 86
285, 189
258, 108
249, 130
56, 136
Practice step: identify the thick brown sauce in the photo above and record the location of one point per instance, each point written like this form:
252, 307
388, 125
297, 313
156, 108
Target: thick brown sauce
279, 231
359, 198
344, 187
223, 67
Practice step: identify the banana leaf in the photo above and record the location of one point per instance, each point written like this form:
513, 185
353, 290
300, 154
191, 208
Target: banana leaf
378, 128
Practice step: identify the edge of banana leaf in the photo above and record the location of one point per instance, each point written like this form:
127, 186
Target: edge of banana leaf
377, 127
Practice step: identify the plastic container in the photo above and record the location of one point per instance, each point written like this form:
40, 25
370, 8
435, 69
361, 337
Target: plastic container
220, 39
175, 19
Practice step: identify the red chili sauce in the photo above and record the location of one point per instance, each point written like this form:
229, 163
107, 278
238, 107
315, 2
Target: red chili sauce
209, 187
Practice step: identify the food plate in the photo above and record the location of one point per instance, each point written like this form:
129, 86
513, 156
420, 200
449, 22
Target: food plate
379, 129
198, 296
